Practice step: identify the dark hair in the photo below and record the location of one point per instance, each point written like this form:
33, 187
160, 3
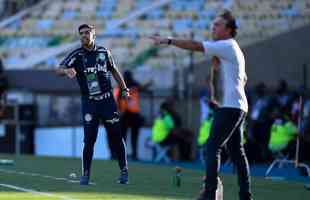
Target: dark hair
91, 27
230, 21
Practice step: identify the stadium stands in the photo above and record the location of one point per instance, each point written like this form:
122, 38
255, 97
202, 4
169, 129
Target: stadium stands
55, 24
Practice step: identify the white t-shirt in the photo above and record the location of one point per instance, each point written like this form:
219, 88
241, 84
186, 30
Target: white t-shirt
232, 71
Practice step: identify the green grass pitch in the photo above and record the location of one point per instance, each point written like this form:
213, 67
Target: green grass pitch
35, 178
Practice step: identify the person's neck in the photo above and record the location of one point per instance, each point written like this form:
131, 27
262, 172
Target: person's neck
223, 38
89, 46
226, 37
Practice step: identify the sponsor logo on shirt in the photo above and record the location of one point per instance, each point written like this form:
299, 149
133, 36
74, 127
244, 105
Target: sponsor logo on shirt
97, 68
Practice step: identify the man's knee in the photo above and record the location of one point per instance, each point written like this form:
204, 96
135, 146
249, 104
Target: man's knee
88, 140
114, 128
212, 146
237, 153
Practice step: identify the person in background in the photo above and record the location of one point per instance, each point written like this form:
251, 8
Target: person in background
165, 130
131, 117
3, 87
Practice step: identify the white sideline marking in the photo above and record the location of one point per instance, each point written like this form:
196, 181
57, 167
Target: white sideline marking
36, 192
42, 176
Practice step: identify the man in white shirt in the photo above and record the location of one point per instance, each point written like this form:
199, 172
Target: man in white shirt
227, 127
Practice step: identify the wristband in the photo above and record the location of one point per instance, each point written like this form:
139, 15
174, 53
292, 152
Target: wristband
123, 91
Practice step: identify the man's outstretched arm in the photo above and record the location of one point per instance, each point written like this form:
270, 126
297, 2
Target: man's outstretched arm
180, 43
60, 71
70, 72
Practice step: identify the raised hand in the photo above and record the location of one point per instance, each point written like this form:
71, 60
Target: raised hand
70, 72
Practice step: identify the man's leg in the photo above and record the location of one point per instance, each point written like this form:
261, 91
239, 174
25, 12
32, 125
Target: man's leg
113, 154
119, 147
118, 144
237, 153
134, 140
224, 123
112, 124
91, 124
137, 122
124, 125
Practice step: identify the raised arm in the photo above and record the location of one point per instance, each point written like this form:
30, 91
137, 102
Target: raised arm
66, 66
69, 72
180, 43
60, 71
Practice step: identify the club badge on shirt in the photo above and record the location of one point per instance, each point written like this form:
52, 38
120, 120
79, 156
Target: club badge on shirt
102, 56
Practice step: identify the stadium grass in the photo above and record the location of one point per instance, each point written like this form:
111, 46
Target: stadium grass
147, 182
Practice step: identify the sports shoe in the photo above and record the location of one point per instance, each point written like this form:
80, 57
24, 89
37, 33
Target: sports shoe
218, 195
123, 178
84, 180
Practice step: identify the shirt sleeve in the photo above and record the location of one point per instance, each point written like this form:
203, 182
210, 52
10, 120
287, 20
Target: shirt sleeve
221, 49
110, 61
69, 61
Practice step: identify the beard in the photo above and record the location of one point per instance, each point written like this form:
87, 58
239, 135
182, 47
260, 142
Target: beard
86, 41
213, 35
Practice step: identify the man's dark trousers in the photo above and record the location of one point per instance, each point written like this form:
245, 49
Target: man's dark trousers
106, 110
227, 128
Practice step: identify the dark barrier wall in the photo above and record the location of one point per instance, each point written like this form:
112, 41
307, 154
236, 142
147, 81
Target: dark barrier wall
40, 81
26, 120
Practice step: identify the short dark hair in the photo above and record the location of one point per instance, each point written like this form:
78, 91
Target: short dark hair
91, 27
230, 21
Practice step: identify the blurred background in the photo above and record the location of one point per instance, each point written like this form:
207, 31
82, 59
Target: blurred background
40, 112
